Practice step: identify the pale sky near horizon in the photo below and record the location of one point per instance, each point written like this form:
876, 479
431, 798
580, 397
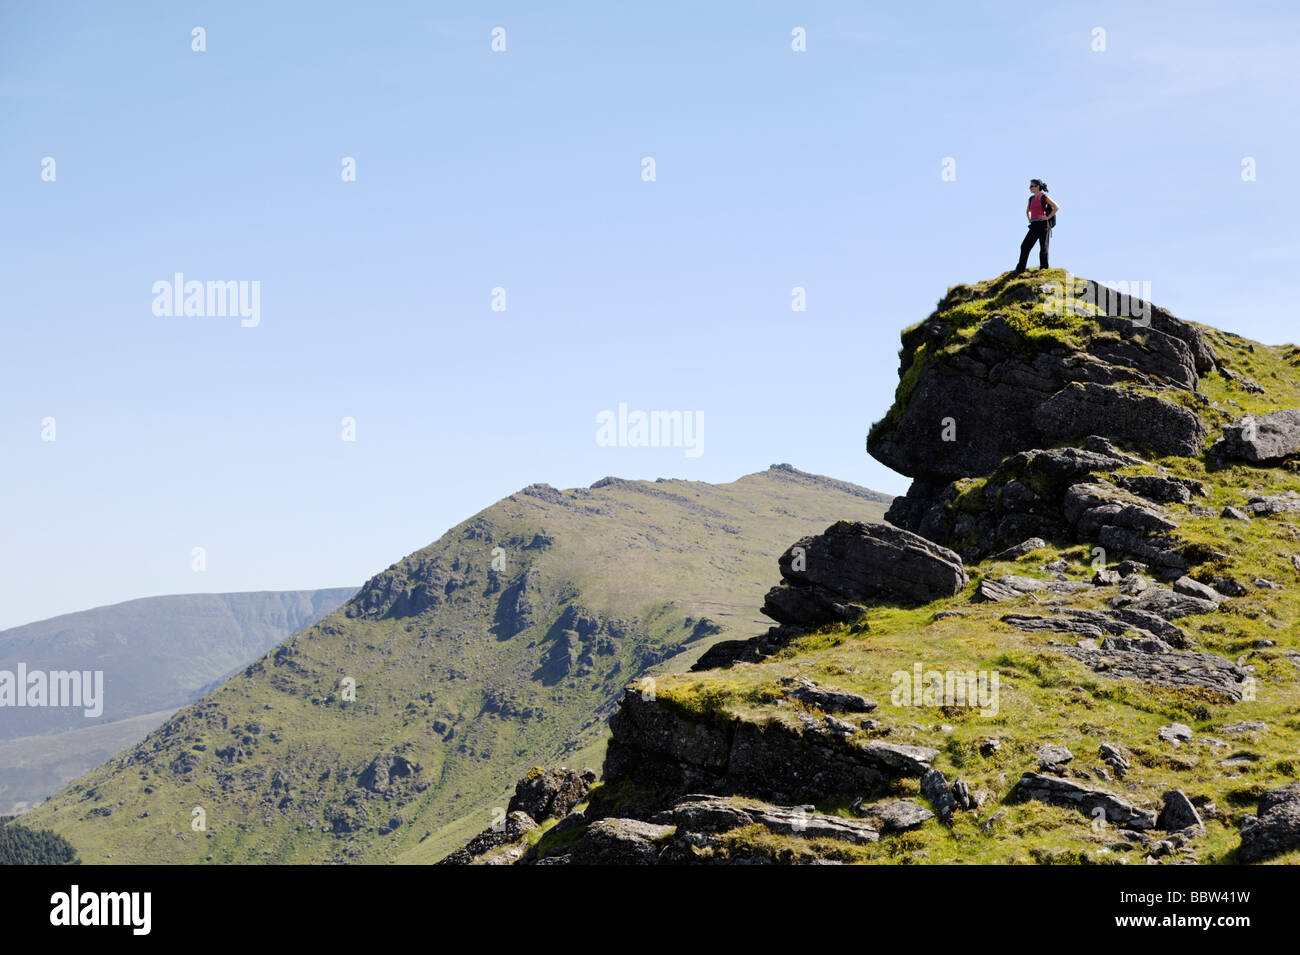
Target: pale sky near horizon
523, 170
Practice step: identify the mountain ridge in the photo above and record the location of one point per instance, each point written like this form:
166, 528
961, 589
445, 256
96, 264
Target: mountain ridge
388, 730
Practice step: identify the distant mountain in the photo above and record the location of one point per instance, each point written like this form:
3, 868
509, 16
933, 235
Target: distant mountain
395, 727
156, 655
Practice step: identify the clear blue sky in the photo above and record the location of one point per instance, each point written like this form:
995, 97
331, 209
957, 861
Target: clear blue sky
522, 170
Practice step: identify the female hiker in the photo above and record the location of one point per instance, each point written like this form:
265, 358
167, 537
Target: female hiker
1041, 212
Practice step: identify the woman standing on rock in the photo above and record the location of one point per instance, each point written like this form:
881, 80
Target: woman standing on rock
1042, 216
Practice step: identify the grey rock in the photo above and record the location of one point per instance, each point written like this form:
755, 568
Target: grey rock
551, 793
1064, 792
1021, 549
935, 788
898, 815
1263, 439
516, 825
1244, 728
1178, 669
1007, 398
1051, 757
1274, 504
1229, 587
1115, 758
1276, 828
1194, 588
713, 814
1034, 624
832, 701
1145, 420
1169, 605
1133, 584
852, 562
965, 798
1176, 733
1178, 813
1234, 514
1162, 490
616, 841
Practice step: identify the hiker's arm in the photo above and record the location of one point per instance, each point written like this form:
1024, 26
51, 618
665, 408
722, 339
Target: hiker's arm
1054, 207
1029, 208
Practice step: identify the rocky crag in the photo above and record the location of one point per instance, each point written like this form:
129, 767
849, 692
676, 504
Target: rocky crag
1076, 639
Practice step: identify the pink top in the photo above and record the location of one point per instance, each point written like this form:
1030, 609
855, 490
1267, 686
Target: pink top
1042, 207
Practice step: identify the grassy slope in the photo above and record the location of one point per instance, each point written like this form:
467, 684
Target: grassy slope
273, 756
1047, 698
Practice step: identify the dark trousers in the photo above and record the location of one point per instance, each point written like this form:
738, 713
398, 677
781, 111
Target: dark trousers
1038, 232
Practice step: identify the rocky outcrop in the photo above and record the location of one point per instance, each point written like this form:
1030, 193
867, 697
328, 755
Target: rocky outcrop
1002, 393
1263, 439
621, 842
509, 834
1155, 662
1054, 494
653, 744
712, 814
1276, 828
551, 793
851, 562
1089, 800
827, 578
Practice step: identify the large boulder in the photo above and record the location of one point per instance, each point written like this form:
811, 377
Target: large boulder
551, 793
826, 575
1277, 827
1263, 439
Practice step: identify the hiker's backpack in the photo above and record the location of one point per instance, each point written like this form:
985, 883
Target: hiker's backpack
1042, 198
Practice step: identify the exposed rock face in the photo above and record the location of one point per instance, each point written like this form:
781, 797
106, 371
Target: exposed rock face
1065, 792
656, 746
1277, 826
551, 793
1082, 409
1263, 439
852, 561
827, 577
621, 842
1151, 661
1005, 396
705, 813
1052, 494
515, 826
990, 404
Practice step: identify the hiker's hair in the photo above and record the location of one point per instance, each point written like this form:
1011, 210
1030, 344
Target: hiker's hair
1042, 186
